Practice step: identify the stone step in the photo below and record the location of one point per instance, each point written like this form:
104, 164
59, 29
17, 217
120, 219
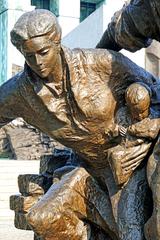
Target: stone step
9, 171
14, 176
4, 164
7, 175
6, 213
18, 169
9, 232
6, 196
5, 220
4, 204
8, 182
8, 189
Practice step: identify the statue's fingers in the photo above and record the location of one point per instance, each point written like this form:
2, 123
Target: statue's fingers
137, 152
131, 167
132, 161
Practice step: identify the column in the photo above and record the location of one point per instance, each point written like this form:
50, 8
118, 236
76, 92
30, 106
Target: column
3, 40
15, 60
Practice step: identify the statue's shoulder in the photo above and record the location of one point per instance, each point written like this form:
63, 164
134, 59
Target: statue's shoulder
91, 52
91, 55
11, 87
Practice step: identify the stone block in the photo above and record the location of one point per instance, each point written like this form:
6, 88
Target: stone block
21, 203
37, 237
33, 184
20, 221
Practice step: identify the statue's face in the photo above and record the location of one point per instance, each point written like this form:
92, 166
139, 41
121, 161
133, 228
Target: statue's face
41, 55
140, 110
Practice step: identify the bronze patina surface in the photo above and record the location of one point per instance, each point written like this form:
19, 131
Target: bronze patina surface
77, 97
132, 28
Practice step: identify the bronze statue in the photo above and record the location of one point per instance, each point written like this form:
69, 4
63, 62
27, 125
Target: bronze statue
75, 96
132, 28
135, 119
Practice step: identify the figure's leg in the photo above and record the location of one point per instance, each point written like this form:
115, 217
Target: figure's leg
152, 227
129, 200
129, 205
132, 207
63, 210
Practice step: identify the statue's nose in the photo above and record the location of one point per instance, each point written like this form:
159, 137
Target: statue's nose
38, 59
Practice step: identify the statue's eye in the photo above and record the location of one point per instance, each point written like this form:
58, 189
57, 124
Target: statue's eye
44, 52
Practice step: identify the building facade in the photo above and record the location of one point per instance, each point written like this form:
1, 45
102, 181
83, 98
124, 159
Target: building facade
82, 22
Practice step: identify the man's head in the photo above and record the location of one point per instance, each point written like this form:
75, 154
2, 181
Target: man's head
138, 101
37, 35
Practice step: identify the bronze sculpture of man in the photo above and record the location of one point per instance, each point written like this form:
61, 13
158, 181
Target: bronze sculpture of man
73, 96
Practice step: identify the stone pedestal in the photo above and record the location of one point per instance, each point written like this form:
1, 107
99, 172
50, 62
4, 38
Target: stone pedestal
33, 186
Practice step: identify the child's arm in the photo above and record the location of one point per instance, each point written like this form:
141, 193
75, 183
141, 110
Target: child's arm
147, 128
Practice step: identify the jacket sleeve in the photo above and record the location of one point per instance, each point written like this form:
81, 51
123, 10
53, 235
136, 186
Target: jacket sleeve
9, 101
132, 28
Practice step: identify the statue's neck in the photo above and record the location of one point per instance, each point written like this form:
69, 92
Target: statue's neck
57, 77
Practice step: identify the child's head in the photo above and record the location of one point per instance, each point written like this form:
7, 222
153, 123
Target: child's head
137, 98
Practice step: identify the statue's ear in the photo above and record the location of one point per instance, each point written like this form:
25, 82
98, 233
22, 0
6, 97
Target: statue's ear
57, 37
59, 47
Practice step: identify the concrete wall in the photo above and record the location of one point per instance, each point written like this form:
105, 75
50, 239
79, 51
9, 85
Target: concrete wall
3, 44
69, 15
88, 33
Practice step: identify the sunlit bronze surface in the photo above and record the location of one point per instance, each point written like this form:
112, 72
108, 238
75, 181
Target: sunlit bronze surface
132, 28
77, 97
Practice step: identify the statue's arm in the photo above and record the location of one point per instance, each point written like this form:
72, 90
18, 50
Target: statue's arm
131, 28
147, 128
9, 101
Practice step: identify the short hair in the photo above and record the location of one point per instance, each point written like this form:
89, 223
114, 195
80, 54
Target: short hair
137, 92
35, 23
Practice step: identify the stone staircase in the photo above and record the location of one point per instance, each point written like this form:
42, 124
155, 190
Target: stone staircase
9, 171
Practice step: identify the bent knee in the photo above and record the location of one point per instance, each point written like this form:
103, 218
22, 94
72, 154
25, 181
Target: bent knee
58, 224
34, 218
